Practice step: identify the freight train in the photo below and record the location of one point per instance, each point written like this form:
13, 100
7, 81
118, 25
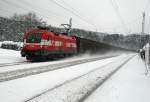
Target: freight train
40, 43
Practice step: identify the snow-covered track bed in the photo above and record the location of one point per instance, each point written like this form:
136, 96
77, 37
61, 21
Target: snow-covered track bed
19, 73
78, 89
12, 64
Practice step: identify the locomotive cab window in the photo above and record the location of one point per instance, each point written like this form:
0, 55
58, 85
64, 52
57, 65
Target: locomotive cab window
34, 38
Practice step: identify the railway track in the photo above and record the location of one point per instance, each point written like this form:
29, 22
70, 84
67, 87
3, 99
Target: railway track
78, 89
19, 73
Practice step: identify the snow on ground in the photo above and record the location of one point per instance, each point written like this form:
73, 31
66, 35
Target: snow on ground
129, 84
9, 56
75, 90
22, 89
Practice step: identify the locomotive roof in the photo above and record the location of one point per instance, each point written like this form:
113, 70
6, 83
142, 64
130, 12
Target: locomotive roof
64, 35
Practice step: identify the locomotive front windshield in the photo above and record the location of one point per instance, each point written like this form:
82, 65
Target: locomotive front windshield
34, 38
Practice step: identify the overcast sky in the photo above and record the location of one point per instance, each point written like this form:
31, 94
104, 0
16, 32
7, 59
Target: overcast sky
113, 16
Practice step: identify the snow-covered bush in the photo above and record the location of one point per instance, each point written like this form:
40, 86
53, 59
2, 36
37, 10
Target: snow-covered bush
11, 45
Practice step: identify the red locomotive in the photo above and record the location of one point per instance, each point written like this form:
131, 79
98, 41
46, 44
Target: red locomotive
41, 43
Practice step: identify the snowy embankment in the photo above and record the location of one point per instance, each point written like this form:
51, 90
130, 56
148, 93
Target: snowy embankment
79, 88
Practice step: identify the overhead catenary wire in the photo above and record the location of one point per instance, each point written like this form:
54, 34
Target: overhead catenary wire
62, 18
35, 9
128, 23
77, 12
49, 14
46, 15
72, 12
27, 9
116, 8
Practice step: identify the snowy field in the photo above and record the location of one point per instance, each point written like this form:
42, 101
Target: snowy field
72, 84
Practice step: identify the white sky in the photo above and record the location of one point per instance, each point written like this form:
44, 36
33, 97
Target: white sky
121, 16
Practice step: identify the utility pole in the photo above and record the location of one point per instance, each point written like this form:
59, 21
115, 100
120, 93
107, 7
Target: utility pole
143, 28
143, 24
